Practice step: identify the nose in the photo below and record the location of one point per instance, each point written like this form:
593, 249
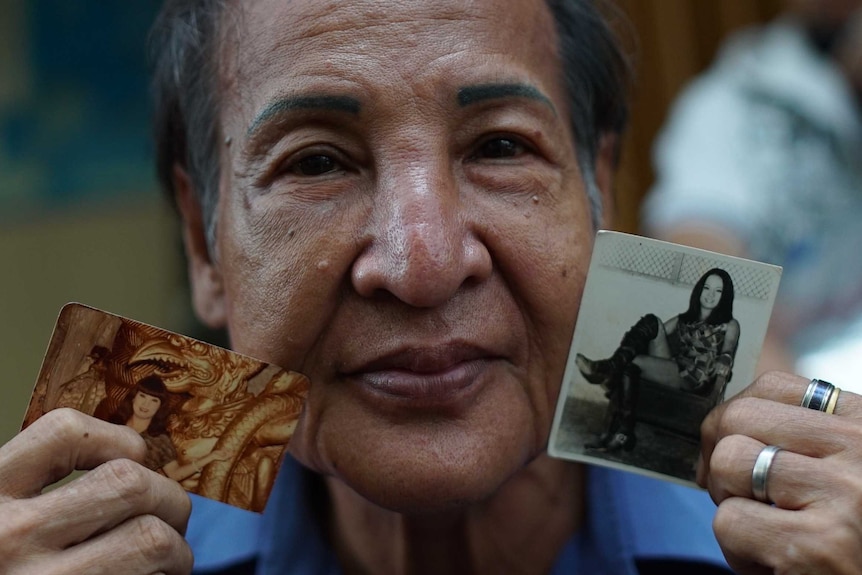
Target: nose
424, 241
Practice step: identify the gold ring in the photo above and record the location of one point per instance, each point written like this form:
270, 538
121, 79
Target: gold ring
833, 401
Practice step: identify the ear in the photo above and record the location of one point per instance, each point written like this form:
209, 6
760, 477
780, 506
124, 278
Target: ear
207, 287
607, 158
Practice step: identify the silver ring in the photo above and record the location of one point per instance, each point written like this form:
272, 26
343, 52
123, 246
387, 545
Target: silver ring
817, 395
760, 473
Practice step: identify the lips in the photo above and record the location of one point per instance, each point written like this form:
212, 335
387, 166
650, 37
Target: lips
426, 376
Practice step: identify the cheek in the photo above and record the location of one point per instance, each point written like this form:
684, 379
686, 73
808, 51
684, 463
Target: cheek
566, 274
287, 269
547, 256
543, 252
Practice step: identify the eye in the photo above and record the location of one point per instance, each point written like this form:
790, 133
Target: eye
315, 165
498, 148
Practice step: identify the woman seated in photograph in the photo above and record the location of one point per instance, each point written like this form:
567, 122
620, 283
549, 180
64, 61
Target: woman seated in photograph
692, 352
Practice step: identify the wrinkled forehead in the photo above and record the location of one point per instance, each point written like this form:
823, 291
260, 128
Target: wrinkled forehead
275, 45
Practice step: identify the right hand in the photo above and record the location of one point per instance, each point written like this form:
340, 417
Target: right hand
118, 518
815, 523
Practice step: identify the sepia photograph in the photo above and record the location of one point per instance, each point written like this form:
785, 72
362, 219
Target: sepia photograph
216, 421
665, 333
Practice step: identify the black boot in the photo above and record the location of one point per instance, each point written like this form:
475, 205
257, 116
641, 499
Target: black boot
635, 342
611, 423
602, 371
624, 435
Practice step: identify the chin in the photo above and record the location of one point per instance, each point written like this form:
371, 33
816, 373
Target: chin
424, 491
424, 468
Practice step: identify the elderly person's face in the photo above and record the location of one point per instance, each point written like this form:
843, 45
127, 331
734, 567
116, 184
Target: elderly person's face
402, 218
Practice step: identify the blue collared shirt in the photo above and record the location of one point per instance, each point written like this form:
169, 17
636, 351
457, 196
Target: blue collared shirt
630, 518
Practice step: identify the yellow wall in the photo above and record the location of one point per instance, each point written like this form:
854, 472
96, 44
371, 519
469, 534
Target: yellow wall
125, 259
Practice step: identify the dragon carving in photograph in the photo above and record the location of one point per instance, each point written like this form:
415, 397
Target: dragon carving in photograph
217, 409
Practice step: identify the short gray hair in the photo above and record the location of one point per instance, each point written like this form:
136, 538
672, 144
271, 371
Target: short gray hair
185, 82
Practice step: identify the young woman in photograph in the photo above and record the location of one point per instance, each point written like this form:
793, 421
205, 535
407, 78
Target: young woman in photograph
146, 409
692, 352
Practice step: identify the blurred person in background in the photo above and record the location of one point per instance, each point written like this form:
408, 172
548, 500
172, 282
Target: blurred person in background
762, 158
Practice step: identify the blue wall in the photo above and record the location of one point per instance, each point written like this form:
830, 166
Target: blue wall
80, 130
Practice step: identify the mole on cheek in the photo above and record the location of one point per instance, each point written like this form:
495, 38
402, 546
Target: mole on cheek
86, 435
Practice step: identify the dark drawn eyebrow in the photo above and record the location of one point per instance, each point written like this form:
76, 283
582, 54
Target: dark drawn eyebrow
335, 103
470, 95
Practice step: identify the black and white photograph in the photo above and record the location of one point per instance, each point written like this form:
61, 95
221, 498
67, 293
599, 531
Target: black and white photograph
665, 333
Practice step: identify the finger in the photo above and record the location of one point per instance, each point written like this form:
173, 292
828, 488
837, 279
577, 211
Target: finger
849, 405
779, 388
775, 386
105, 497
801, 430
789, 389
794, 481
731, 466
755, 536
142, 545
59, 442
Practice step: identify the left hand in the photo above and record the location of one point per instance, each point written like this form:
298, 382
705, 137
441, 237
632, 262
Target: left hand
815, 525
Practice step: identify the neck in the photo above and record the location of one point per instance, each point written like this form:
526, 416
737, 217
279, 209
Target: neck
138, 424
520, 529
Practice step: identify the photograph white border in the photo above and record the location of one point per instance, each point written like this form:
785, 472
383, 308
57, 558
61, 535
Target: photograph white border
631, 276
